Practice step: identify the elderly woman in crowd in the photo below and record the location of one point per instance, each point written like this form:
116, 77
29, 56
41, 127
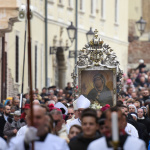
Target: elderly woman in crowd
13, 125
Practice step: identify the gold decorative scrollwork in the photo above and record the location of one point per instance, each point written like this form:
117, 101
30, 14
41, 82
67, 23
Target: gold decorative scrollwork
98, 53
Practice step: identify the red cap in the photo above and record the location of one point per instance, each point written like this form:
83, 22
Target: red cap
27, 106
51, 107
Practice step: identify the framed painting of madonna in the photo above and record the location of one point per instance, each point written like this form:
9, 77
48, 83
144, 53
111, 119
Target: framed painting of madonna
98, 84
98, 72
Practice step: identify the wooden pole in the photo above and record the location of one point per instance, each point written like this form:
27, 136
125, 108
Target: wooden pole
22, 86
30, 64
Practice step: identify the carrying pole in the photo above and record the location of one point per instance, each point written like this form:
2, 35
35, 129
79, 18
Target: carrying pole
22, 87
30, 64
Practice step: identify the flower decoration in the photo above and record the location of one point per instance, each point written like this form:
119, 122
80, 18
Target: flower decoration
96, 105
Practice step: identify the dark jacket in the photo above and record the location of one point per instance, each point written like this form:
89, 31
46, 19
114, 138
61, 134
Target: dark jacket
141, 128
10, 126
43, 94
2, 124
81, 143
146, 122
143, 133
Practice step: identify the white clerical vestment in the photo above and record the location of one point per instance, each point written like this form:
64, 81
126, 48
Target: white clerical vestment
3, 144
22, 131
51, 142
131, 143
131, 130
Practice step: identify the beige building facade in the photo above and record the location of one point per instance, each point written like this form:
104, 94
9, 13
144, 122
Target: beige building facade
110, 18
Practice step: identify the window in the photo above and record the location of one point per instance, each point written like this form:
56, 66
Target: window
17, 60
35, 66
93, 10
81, 4
60, 1
42, 65
116, 11
70, 3
51, 1
97, 6
102, 9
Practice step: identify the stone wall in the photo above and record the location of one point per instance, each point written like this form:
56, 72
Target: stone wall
139, 50
12, 88
146, 6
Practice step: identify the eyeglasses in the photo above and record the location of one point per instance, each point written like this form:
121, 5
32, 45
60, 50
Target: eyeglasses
70, 114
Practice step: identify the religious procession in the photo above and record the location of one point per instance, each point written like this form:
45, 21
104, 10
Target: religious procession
94, 97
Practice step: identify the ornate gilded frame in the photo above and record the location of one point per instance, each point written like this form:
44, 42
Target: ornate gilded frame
97, 55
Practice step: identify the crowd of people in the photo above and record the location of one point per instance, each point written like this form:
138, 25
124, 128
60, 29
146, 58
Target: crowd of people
61, 123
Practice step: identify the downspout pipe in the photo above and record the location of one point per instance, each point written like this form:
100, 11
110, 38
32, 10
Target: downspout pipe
76, 38
46, 29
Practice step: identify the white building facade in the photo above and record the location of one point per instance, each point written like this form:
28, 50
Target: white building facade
109, 17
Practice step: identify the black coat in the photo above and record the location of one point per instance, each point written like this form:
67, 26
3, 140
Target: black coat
81, 143
132, 121
146, 122
2, 124
141, 128
143, 133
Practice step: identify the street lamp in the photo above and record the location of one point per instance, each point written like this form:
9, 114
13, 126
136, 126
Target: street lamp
89, 35
141, 25
71, 32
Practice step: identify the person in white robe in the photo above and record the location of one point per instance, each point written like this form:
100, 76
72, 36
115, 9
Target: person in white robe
131, 130
130, 144
82, 103
126, 142
3, 144
75, 116
51, 142
22, 131
39, 134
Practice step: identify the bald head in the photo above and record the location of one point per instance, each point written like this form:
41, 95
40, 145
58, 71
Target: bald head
36, 102
38, 116
37, 108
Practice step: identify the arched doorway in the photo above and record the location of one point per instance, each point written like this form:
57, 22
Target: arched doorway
61, 68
